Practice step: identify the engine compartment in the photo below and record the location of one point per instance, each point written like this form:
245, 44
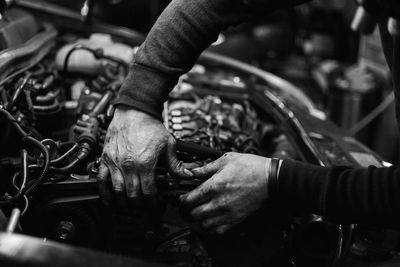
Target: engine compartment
57, 91
66, 108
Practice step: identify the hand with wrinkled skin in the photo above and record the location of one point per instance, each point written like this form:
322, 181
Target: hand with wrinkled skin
134, 143
237, 188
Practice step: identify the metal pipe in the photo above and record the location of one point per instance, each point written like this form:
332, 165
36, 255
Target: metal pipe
102, 104
14, 219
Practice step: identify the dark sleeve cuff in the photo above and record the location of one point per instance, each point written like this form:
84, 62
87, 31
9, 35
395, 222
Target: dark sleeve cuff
302, 187
146, 90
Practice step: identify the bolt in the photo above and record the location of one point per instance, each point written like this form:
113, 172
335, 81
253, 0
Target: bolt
65, 230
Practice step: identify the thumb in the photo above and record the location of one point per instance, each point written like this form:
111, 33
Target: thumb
175, 166
208, 170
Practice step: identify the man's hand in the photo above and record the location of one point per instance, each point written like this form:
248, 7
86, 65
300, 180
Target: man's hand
237, 187
134, 143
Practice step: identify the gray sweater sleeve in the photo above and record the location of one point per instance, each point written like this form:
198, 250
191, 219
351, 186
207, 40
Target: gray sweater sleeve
181, 33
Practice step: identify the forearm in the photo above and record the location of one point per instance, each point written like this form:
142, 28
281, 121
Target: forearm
366, 195
181, 33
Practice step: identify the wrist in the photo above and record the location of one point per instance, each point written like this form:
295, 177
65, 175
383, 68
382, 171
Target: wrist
131, 113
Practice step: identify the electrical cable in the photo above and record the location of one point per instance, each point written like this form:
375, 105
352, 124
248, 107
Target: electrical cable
14, 123
66, 169
18, 92
66, 155
63, 145
46, 164
25, 173
30, 140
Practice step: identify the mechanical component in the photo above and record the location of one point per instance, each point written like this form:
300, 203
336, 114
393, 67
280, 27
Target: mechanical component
210, 122
184, 248
66, 230
67, 223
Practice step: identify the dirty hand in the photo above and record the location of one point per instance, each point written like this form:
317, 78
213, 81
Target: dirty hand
238, 186
134, 143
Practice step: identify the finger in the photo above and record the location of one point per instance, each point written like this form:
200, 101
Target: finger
208, 170
118, 185
220, 229
191, 165
175, 166
117, 180
223, 229
147, 181
205, 211
132, 185
79, 129
200, 195
82, 123
104, 183
214, 222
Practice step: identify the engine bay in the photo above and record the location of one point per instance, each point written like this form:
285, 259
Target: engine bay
56, 101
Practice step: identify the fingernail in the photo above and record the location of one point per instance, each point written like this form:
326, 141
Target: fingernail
188, 173
196, 169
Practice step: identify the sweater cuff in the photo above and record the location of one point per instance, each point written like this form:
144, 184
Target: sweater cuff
302, 187
145, 89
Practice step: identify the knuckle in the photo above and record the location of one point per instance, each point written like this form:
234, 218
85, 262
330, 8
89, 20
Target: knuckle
225, 206
198, 212
145, 161
127, 164
228, 156
220, 184
207, 223
221, 230
212, 189
126, 161
225, 157
195, 213
216, 184
220, 207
